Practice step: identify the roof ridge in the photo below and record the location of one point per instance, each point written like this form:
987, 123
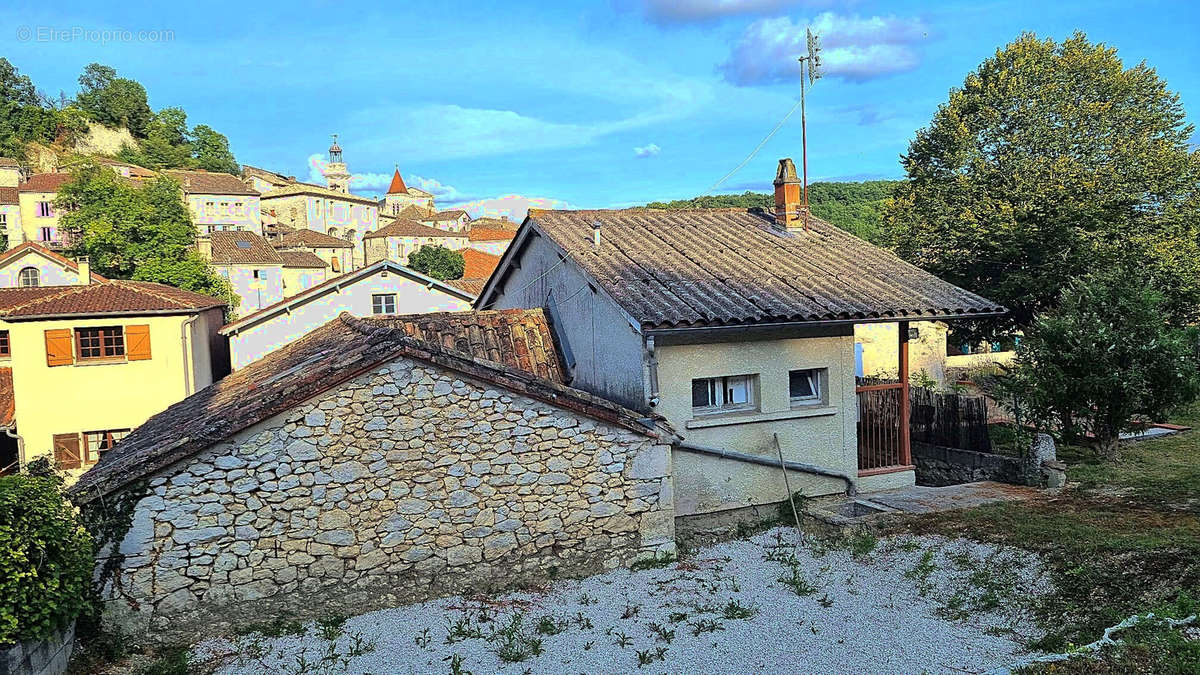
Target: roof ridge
138, 288
67, 290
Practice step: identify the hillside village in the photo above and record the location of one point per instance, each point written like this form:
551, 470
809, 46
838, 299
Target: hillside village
261, 424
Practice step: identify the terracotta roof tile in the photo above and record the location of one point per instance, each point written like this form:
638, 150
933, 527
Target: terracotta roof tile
729, 267
403, 227
210, 182
289, 237
449, 214
16, 251
238, 247
472, 286
110, 297
45, 182
413, 212
397, 186
9, 195
477, 264
489, 234
511, 349
304, 259
9, 163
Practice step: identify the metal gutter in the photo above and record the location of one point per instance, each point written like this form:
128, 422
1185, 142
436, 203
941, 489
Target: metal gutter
822, 322
851, 488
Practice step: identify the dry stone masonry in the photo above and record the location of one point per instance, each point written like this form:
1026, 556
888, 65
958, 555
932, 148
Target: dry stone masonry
404, 483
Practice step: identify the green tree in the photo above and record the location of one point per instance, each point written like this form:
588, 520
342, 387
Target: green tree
1105, 356
141, 233
23, 118
45, 559
1051, 161
115, 101
211, 150
438, 262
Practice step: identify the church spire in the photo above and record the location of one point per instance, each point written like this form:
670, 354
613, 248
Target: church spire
397, 186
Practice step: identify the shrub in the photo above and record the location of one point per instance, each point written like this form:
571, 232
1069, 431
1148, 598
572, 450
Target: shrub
45, 559
438, 262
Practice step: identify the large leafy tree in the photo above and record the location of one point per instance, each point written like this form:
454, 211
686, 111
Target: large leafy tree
1051, 161
115, 101
1105, 356
438, 262
144, 233
211, 150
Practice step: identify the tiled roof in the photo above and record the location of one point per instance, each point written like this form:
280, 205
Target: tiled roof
729, 267
269, 176
477, 264
494, 224
16, 252
472, 286
9, 195
305, 259
413, 212
110, 297
310, 189
237, 247
489, 234
450, 214
289, 236
210, 182
397, 186
403, 227
45, 182
490, 347
8, 399
337, 284
9, 163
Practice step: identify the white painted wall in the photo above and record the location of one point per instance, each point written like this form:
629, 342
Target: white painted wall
261, 338
51, 273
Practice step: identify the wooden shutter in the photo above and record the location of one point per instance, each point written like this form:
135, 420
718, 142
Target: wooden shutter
59, 349
66, 451
137, 342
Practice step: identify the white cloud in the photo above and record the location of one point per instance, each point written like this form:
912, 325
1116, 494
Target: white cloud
513, 206
696, 11
650, 150
439, 190
853, 48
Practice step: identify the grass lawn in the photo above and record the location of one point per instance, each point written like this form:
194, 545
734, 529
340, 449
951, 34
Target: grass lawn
1125, 541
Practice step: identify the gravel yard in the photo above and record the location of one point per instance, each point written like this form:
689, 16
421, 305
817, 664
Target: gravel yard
897, 605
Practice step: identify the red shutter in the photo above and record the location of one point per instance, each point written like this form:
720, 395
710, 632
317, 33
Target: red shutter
59, 350
137, 342
66, 451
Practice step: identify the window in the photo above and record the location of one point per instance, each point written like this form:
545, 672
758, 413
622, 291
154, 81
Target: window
804, 386
3, 220
724, 394
93, 344
45, 209
5, 350
384, 303
209, 208
96, 442
335, 264
29, 277
45, 234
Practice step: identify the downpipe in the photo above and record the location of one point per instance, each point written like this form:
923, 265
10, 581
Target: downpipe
851, 488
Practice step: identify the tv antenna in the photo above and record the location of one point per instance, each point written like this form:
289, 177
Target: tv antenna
810, 69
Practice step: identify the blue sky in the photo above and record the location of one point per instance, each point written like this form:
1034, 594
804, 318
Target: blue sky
588, 105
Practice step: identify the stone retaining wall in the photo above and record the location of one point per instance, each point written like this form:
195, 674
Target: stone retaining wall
938, 466
39, 657
403, 484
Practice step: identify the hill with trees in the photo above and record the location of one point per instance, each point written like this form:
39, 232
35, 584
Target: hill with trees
29, 117
856, 207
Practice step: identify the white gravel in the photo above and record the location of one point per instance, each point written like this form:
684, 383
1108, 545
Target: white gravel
881, 612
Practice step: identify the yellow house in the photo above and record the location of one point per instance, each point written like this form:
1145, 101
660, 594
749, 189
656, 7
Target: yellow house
82, 365
933, 352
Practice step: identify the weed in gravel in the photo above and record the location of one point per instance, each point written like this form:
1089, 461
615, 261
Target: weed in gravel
676, 617
513, 642
622, 640
330, 627
645, 657
461, 629
582, 621
706, 626
275, 628
585, 599
921, 571
587, 646
796, 581
826, 601
456, 665
422, 638
665, 634
548, 625
736, 610
630, 611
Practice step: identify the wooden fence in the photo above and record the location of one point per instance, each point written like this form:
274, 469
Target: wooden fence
949, 420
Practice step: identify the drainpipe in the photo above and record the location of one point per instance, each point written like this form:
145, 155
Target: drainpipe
187, 354
652, 365
9, 431
851, 489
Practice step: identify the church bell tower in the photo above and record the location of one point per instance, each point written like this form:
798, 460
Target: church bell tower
336, 175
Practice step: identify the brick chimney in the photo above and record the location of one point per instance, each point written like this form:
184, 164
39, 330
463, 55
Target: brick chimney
85, 270
788, 215
204, 246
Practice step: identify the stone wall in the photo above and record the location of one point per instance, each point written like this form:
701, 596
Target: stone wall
405, 483
39, 657
938, 466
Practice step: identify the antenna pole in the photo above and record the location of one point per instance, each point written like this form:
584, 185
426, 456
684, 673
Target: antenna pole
804, 145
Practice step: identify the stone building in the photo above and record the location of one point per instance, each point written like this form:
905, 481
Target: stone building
219, 201
400, 238
401, 197
372, 463
340, 215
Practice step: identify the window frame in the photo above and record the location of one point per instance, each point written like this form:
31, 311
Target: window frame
386, 298
719, 387
103, 334
45, 209
5, 345
108, 437
37, 277
816, 380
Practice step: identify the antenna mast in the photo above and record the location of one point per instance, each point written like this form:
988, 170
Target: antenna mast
810, 69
